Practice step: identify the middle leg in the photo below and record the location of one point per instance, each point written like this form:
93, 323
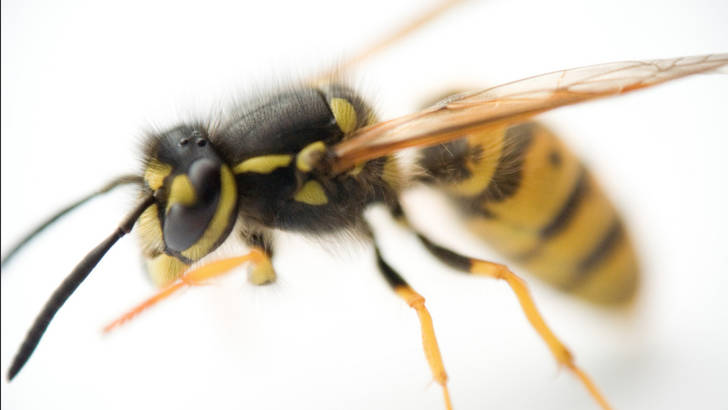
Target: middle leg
429, 341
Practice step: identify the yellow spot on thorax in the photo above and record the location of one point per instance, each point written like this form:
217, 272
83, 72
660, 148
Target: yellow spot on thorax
155, 173
181, 192
344, 113
264, 164
357, 169
304, 157
311, 193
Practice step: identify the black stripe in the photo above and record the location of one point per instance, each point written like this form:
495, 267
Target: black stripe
568, 210
508, 173
603, 248
447, 256
598, 255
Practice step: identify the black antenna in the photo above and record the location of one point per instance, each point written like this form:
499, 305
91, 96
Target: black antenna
122, 180
69, 285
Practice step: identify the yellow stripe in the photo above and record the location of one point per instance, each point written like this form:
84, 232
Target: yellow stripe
264, 164
544, 187
220, 221
491, 144
561, 253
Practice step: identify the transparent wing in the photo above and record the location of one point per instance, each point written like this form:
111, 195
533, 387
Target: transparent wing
385, 42
511, 103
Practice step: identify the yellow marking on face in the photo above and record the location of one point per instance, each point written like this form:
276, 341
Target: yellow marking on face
311, 193
344, 113
181, 191
220, 221
150, 231
155, 173
165, 269
303, 159
264, 164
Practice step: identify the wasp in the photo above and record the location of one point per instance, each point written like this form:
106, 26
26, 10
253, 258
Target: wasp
317, 175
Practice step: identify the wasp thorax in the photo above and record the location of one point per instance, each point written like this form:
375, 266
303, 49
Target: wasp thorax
196, 192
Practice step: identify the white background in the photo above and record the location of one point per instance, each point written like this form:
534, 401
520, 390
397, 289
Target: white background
81, 80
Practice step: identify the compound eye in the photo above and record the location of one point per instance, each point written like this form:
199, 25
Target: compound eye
204, 175
192, 205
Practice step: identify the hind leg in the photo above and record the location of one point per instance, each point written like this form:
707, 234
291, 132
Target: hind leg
494, 270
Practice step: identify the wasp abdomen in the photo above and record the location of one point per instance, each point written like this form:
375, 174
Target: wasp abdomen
531, 199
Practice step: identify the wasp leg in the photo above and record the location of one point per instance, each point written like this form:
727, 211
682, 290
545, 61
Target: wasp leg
195, 277
261, 272
429, 341
518, 285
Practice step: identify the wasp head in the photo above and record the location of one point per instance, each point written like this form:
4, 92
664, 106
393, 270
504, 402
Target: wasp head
195, 191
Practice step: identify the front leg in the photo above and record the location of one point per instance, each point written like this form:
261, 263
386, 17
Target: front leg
261, 272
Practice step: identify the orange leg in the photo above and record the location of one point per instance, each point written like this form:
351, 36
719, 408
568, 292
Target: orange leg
518, 285
194, 277
429, 341
560, 352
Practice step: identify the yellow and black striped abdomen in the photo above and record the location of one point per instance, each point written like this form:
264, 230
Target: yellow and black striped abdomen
532, 200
